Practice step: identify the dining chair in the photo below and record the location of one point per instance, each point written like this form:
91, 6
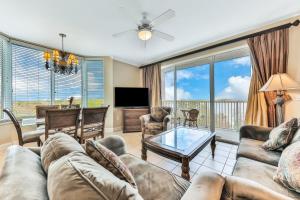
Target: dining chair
73, 106
92, 123
25, 137
41, 113
66, 121
41, 110
191, 118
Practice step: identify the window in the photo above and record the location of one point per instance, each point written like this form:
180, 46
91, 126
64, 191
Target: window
1, 66
95, 83
26, 83
215, 85
232, 81
67, 86
30, 81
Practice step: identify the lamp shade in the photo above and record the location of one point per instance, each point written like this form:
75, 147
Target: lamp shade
279, 82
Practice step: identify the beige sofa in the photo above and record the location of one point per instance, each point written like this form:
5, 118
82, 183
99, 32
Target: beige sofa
23, 177
252, 176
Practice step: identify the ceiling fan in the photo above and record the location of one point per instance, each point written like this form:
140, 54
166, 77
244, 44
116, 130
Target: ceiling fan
145, 30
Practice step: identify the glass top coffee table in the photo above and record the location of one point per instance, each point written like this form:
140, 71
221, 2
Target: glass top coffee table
181, 144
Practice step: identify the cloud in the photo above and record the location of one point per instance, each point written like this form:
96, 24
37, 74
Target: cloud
181, 94
184, 74
244, 61
238, 88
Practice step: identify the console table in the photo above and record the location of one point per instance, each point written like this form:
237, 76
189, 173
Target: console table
131, 119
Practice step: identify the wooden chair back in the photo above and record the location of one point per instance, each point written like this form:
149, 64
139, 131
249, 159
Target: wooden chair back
193, 115
41, 110
93, 122
73, 106
62, 120
16, 124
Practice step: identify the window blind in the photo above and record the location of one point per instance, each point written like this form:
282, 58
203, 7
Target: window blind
95, 83
67, 86
2, 61
30, 81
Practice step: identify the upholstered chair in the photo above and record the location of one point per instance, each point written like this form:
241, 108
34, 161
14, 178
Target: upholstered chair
155, 122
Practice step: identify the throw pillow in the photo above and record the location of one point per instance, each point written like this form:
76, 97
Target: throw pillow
288, 171
76, 176
282, 135
110, 161
158, 114
297, 134
56, 146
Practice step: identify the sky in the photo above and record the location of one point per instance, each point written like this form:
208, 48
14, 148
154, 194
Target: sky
232, 80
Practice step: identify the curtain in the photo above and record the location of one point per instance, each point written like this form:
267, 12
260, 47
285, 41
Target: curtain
152, 81
269, 56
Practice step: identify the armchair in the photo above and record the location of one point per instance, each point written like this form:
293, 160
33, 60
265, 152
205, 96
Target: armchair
155, 122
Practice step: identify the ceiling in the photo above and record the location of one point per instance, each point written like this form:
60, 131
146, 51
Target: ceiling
89, 24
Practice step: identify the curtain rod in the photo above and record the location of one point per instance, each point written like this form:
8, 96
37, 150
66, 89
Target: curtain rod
284, 26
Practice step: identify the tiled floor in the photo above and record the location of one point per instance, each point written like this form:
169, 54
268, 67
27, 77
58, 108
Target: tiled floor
223, 162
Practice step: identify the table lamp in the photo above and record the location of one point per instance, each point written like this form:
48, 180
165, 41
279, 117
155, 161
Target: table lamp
280, 82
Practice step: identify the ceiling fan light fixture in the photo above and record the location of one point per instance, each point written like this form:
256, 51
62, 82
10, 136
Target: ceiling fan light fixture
145, 34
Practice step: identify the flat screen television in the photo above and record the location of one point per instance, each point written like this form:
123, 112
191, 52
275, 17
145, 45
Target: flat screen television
131, 97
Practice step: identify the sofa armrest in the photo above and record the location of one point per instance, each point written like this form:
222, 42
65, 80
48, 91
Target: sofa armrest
114, 143
145, 119
255, 132
208, 185
240, 188
166, 120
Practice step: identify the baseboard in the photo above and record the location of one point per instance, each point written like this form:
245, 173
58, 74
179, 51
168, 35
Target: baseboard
119, 128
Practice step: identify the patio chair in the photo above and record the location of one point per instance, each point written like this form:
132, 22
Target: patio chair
92, 123
155, 122
25, 137
191, 118
66, 121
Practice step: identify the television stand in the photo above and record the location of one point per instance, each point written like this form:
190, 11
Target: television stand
131, 119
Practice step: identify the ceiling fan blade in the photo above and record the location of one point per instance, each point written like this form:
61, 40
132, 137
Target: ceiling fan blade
123, 33
163, 17
163, 35
132, 12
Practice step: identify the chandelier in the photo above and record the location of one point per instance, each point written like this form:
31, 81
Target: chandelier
61, 61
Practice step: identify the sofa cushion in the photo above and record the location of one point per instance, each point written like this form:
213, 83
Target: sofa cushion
22, 176
154, 182
154, 126
158, 114
261, 173
76, 176
110, 161
252, 149
288, 171
282, 135
56, 146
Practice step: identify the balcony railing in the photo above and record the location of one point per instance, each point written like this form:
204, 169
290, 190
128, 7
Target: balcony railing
229, 114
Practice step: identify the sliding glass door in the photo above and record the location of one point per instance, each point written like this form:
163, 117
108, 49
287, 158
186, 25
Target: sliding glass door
217, 86
186, 87
192, 92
